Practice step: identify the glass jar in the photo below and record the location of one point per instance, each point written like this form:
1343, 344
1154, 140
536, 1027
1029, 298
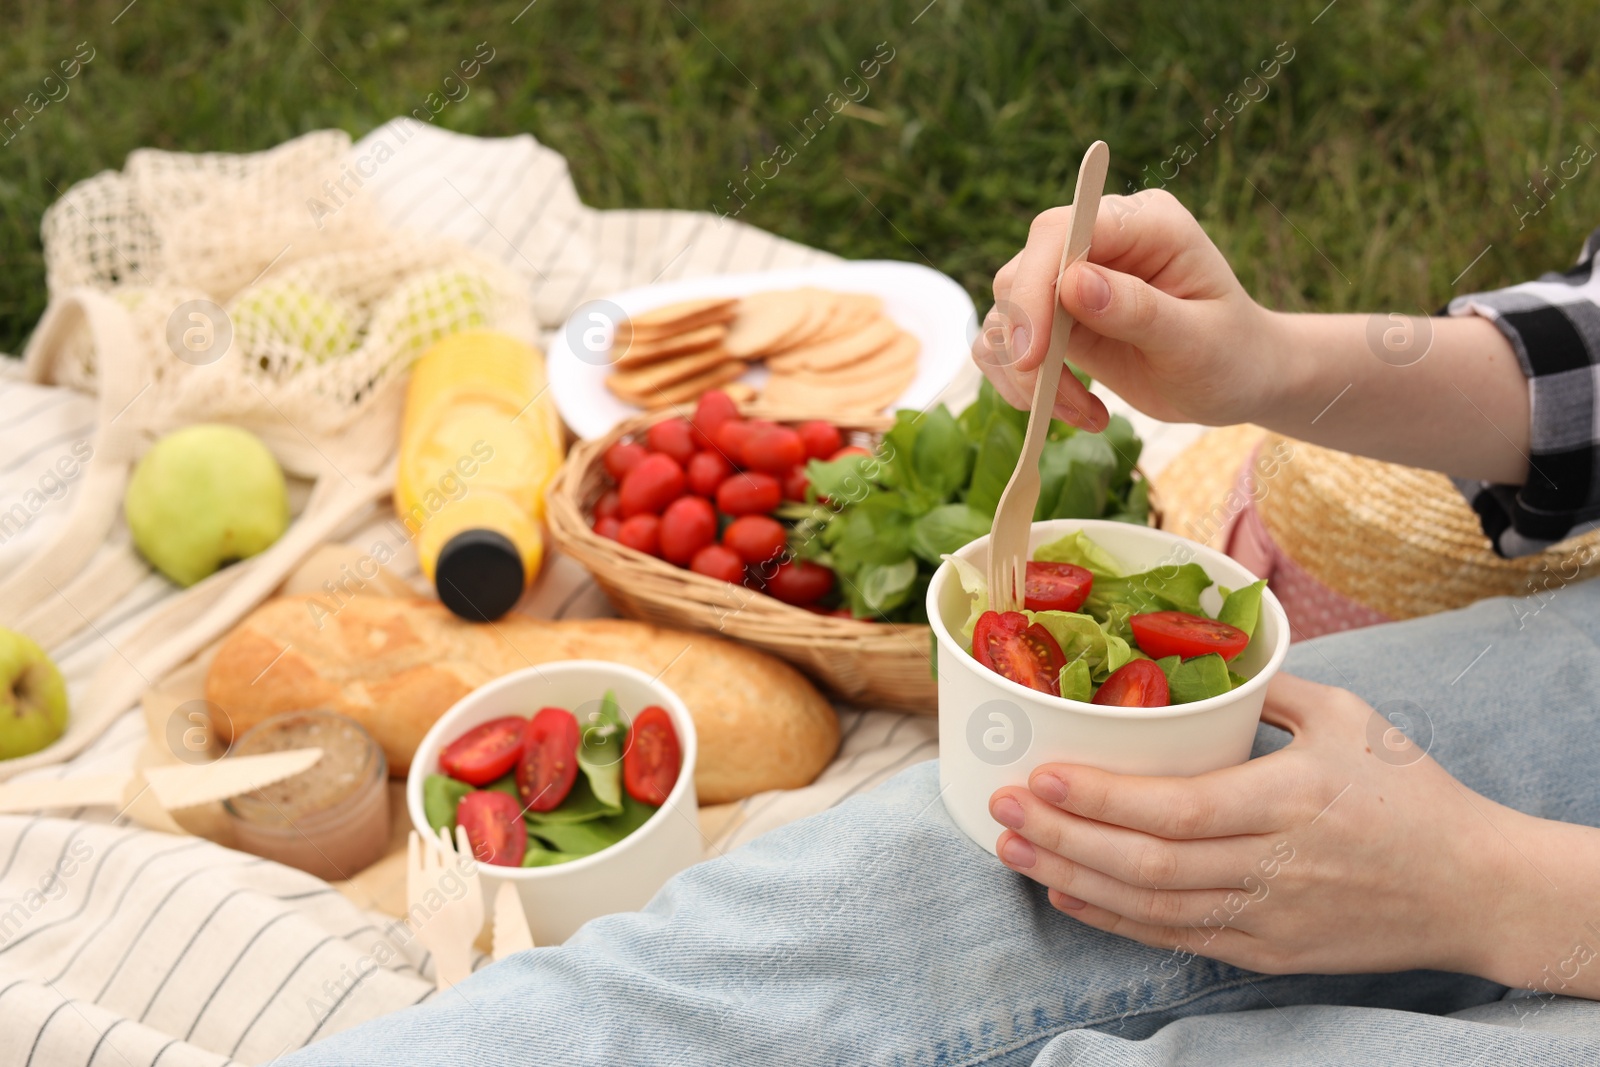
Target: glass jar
330, 820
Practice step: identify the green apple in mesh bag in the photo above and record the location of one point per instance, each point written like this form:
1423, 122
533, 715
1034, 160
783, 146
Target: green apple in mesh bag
318, 325
203, 497
33, 698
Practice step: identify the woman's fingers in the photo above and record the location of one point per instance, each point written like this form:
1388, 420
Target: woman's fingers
1136, 858
1225, 944
1247, 799
1152, 907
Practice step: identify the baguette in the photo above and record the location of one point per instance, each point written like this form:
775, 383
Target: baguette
396, 665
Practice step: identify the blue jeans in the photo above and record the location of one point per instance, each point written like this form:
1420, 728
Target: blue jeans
877, 933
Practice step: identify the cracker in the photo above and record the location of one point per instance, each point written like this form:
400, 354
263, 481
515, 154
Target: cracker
652, 376
765, 319
687, 389
821, 312
643, 350
842, 352
679, 317
851, 312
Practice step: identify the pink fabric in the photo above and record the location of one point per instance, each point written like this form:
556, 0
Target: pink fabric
1313, 608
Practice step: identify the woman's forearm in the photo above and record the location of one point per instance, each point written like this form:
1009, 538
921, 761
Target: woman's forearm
1442, 393
1545, 935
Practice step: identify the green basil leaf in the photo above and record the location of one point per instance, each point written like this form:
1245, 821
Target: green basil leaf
1125, 444
1075, 478
885, 586
1135, 506
1162, 589
941, 457
877, 530
1196, 679
1075, 681
507, 784
947, 528
441, 795
539, 856
974, 421
586, 838
600, 750
996, 458
1242, 607
844, 481
581, 805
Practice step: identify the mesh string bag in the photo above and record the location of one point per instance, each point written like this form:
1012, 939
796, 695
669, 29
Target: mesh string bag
202, 288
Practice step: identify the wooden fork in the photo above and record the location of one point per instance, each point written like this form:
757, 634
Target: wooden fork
446, 925
1013, 518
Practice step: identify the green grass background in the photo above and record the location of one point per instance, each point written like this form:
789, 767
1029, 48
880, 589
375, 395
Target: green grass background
1394, 148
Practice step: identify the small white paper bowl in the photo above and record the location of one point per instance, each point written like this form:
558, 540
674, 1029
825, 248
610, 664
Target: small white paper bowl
624, 877
994, 732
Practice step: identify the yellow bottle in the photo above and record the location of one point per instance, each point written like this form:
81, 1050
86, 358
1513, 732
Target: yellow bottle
479, 443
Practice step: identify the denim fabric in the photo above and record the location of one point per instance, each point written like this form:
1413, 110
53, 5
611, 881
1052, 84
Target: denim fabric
877, 933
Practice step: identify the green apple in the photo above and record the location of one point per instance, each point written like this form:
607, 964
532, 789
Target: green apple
442, 303
203, 497
33, 698
318, 325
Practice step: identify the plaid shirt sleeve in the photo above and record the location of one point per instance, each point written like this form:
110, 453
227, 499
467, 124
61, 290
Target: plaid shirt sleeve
1554, 326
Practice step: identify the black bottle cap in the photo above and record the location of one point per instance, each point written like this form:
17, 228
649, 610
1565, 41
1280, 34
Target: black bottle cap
479, 575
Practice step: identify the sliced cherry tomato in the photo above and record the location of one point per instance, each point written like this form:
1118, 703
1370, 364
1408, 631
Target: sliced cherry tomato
800, 582
718, 561
608, 527
706, 471
642, 533
653, 758
756, 538
1008, 645
549, 762
1177, 633
730, 438
795, 484
776, 450
712, 410
1056, 586
609, 506
1139, 683
749, 493
822, 439
494, 826
688, 525
622, 457
485, 752
671, 437
656, 482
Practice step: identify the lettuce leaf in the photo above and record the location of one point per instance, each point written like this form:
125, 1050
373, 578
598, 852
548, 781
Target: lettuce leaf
441, 795
977, 587
1075, 681
1080, 550
1082, 638
600, 751
1161, 589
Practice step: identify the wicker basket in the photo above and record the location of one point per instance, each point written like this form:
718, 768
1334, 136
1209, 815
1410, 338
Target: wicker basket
876, 664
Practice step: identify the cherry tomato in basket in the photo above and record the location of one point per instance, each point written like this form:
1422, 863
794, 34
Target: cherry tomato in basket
847, 451
653, 758
484, 752
549, 762
729, 438
800, 582
671, 437
1139, 683
622, 457
1027, 654
494, 826
795, 484
749, 493
718, 561
706, 471
642, 533
687, 526
656, 482
1177, 633
609, 506
712, 410
608, 527
756, 538
1055, 586
776, 450
822, 439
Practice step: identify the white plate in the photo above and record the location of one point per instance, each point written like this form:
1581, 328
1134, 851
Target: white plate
920, 300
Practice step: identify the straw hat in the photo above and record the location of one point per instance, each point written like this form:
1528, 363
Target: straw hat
1400, 541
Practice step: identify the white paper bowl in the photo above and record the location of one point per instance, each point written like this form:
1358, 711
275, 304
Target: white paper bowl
624, 877
994, 732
